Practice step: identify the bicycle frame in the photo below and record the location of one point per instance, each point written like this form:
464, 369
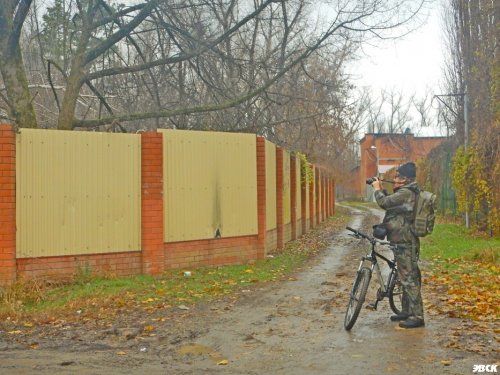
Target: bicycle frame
375, 267
362, 281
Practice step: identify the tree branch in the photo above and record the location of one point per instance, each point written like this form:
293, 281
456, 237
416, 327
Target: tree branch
224, 105
121, 33
182, 57
22, 12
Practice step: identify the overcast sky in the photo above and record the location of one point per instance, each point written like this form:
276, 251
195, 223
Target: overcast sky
410, 65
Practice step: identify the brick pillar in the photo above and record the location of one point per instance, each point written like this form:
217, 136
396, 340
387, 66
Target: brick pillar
325, 197
333, 197
322, 197
279, 197
329, 195
261, 197
153, 254
312, 216
317, 190
293, 195
7, 205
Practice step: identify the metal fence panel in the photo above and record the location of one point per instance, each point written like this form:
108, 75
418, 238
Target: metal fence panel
287, 217
298, 197
210, 185
77, 193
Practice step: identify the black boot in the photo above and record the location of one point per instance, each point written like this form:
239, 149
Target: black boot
412, 323
399, 316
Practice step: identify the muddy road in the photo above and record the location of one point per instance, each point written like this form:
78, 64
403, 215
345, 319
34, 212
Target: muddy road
294, 326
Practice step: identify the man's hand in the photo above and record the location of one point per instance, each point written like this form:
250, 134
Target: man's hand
377, 184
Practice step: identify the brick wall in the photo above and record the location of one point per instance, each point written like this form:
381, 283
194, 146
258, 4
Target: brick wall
212, 252
155, 255
287, 232
7, 205
388, 150
152, 203
271, 240
65, 267
293, 197
261, 197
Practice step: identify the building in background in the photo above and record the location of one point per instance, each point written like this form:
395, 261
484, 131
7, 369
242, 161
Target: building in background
380, 152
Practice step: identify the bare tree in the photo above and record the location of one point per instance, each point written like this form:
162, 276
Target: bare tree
18, 98
142, 50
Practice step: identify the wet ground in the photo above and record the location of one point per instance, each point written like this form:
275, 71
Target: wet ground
294, 326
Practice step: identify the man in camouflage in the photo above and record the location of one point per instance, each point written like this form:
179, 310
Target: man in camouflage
398, 220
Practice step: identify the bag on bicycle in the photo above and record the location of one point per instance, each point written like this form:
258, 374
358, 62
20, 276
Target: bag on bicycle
379, 231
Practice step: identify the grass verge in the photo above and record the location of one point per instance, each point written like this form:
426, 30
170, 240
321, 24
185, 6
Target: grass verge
465, 272
104, 297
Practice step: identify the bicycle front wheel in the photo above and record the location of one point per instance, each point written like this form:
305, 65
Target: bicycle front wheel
396, 295
357, 297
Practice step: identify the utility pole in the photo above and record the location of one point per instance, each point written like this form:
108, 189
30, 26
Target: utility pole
466, 143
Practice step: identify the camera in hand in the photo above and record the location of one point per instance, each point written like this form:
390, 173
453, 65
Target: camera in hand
371, 180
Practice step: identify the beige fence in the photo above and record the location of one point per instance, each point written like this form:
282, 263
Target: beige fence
270, 186
298, 199
77, 193
124, 204
210, 185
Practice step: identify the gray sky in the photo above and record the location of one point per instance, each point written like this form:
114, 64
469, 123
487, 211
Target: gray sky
412, 64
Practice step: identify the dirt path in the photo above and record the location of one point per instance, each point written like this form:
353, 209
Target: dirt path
289, 327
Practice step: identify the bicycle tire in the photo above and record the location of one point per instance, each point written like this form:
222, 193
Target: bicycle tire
357, 297
396, 295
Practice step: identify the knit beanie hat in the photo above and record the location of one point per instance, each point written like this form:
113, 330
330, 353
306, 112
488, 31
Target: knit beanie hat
408, 170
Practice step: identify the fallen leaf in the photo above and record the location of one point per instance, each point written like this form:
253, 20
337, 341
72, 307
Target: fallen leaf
120, 353
223, 362
446, 362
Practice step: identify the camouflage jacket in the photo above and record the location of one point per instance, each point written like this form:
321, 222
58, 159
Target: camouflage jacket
399, 208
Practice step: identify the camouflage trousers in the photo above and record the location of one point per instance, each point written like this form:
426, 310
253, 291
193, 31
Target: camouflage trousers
406, 256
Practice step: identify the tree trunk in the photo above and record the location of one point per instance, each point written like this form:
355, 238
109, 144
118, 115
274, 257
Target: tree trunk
16, 84
73, 85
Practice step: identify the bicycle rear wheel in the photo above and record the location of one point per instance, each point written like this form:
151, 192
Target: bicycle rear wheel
357, 297
396, 295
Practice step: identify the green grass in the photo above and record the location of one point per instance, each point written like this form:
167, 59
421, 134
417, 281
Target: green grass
94, 294
169, 289
453, 241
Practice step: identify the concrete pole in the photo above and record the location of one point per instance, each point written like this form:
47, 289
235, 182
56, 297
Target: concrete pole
466, 144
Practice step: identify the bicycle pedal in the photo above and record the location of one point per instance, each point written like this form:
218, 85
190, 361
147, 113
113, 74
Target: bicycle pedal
371, 306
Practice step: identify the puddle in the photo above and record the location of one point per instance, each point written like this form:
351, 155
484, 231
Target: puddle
202, 350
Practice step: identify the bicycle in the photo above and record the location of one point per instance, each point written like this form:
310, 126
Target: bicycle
391, 288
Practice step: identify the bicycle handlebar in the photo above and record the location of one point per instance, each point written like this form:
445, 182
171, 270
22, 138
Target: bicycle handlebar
358, 233
371, 239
